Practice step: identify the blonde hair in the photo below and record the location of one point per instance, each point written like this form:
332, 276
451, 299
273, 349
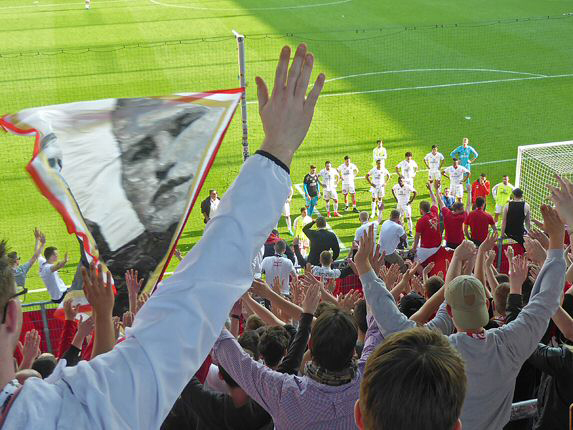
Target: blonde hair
326, 258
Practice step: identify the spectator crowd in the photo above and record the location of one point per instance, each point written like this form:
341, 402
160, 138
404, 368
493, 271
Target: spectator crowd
251, 332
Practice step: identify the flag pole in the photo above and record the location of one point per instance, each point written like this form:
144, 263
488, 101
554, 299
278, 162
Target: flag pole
243, 82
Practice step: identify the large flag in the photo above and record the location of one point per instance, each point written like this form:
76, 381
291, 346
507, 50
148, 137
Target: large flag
125, 173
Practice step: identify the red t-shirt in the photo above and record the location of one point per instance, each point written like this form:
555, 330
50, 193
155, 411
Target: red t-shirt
454, 226
479, 222
428, 227
479, 190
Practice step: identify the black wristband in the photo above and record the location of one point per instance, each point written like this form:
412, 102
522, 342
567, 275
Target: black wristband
274, 159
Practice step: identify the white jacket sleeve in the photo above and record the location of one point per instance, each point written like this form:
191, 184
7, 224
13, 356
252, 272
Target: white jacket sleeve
135, 385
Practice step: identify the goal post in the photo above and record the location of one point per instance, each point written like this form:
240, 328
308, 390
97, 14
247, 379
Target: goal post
537, 166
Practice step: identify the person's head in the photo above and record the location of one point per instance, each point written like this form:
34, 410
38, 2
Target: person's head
347, 160
482, 178
458, 208
322, 307
325, 258
51, 254
11, 311
273, 345
432, 286
363, 216
13, 259
414, 367
360, 316
501, 278
465, 142
303, 211
517, 193
500, 295
237, 394
312, 169
378, 163
379, 142
25, 374
332, 340
401, 181
434, 149
249, 340
408, 156
254, 322
213, 194
480, 202
424, 207
410, 304
455, 162
505, 180
280, 247
327, 165
447, 192
467, 303
45, 364
395, 215
321, 222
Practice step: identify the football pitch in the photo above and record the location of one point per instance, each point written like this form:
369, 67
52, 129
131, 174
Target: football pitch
413, 73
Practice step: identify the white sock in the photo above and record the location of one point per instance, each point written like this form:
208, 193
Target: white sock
410, 224
288, 222
336, 206
328, 206
373, 209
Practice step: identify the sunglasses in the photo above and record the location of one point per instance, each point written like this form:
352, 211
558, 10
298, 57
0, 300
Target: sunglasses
19, 293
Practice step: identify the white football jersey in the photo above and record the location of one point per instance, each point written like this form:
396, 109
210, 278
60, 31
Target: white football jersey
402, 193
379, 154
434, 160
348, 173
329, 178
407, 168
456, 175
378, 177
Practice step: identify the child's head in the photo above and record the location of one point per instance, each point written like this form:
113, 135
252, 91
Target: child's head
325, 258
500, 295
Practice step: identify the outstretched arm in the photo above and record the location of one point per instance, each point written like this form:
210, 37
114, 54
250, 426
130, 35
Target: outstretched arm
39, 246
136, 384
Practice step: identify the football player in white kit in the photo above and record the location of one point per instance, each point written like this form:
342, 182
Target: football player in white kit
404, 194
88, 4
330, 178
434, 161
286, 212
348, 172
377, 177
458, 175
407, 169
379, 153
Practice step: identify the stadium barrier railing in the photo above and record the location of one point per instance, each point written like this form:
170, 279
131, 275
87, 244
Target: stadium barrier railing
40, 316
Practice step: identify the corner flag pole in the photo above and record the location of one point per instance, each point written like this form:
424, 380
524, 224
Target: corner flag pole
243, 82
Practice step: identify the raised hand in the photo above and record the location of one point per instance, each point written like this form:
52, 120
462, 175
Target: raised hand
390, 275
534, 251
277, 285
85, 327
70, 311
133, 282
311, 298
141, 300
467, 249
509, 253
287, 114
260, 288
127, 319
98, 291
417, 285
553, 224
517, 272
540, 237
348, 301
426, 271
377, 260
489, 242
31, 349
562, 196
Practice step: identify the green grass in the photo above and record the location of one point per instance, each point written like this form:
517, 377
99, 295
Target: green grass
55, 52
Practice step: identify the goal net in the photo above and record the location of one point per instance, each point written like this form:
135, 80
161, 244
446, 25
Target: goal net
537, 166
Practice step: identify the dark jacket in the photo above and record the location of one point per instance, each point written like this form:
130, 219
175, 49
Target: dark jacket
320, 240
556, 388
201, 409
293, 358
270, 248
206, 206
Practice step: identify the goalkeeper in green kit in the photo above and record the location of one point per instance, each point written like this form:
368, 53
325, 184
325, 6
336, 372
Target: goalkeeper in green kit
501, 194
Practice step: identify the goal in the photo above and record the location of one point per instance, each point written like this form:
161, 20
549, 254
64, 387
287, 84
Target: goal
537, 166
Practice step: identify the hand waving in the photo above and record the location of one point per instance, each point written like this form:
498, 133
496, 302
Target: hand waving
287, 113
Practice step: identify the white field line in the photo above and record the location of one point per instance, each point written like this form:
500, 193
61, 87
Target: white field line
303, 6
328, 227
429, 87
81, 5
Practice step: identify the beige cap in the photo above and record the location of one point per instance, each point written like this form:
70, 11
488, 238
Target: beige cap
466, 297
